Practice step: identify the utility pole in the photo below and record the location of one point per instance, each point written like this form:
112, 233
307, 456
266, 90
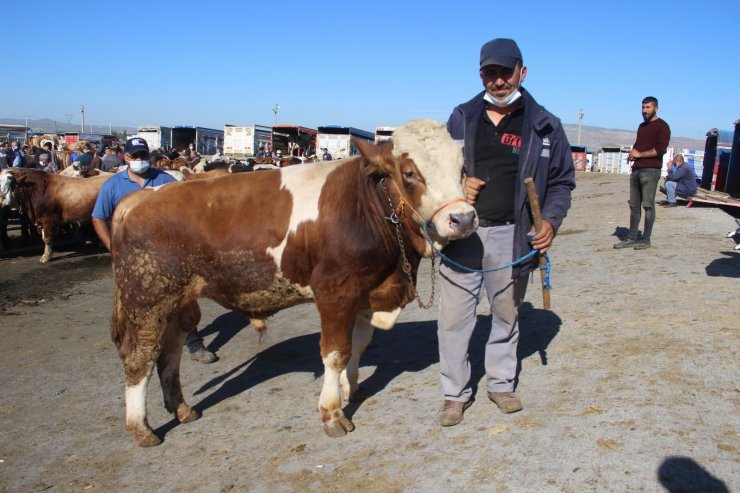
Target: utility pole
82, 111
26, 130
110, 128
275, 110
580, 122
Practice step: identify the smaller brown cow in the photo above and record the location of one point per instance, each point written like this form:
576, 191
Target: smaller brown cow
50, 200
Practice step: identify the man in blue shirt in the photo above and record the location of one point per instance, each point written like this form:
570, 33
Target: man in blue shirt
138, 175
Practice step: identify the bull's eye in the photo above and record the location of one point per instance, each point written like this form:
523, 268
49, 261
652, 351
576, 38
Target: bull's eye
409, 174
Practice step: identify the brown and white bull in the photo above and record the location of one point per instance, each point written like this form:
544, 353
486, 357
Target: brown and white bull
261, 242
50, 200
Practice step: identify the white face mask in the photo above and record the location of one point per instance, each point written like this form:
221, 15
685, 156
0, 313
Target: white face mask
138, 166
510, 99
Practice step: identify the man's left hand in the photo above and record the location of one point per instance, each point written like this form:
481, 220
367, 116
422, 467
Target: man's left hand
544, 238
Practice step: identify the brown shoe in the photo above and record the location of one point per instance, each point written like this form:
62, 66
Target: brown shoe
452, 412
508, 402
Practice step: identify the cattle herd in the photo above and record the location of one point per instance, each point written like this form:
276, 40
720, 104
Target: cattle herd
347, 235
48, 201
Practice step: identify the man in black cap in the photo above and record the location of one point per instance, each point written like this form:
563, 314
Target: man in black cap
506, 137
138, 175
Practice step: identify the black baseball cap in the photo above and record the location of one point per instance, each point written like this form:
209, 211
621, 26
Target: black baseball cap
500, 51
134, 145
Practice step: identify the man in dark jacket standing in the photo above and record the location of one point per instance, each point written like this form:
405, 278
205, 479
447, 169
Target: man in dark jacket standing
506, 137
646, 156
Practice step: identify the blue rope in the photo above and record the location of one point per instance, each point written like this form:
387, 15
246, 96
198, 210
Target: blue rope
520, 260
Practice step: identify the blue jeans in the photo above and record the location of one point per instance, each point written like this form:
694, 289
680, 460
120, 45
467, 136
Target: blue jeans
670, 191
643, 184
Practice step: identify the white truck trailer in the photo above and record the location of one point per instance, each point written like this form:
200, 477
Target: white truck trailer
245, 141
156, 136
338, 140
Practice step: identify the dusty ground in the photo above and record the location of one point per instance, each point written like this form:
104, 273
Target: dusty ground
630, 383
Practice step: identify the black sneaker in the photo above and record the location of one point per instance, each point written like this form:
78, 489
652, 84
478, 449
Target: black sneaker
670, 204
643, 245
625, 243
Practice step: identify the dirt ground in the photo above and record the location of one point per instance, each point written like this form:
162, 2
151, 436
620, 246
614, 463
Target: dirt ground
630, 383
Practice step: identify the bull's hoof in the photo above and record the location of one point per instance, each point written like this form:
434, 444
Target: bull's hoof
338, 425
45, 259
186, 415
146, 438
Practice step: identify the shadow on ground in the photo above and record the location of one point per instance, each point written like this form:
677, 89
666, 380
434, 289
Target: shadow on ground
408, 347
683, 474
728, 266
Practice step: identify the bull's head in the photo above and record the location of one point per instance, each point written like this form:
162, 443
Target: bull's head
426, 165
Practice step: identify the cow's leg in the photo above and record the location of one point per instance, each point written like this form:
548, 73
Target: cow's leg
46, 235
168, 363
136, 421
334, 421
138, 335
336, 349
362, 333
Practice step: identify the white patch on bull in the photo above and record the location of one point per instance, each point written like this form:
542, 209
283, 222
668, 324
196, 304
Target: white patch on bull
136, 402
304, 182
329, 398
5, 181
177, 175
385, 320
440, 161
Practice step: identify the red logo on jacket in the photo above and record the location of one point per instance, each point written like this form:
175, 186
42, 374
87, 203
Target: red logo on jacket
511, 140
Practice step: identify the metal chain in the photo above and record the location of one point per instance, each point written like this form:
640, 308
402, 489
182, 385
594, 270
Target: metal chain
406, 264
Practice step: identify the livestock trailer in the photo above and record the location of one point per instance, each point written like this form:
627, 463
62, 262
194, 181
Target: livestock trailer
157, 137
716, 159
245, 141
96, 139
383, 133
206, 140
339, 140
294, 140
579, 157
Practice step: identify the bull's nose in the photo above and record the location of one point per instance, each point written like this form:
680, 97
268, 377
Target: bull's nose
463, 221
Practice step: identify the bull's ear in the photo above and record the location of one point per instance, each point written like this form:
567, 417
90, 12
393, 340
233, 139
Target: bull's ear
378, 158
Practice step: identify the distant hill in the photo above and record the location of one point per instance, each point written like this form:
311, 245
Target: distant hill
595, 138
51, 126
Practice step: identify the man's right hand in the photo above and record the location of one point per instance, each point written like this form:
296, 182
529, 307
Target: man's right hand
473, 187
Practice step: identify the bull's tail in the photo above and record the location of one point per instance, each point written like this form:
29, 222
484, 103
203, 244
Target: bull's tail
117, 324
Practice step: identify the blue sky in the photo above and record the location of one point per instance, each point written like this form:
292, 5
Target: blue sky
364, 63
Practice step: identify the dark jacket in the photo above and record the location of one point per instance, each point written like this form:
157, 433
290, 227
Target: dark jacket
545, 156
